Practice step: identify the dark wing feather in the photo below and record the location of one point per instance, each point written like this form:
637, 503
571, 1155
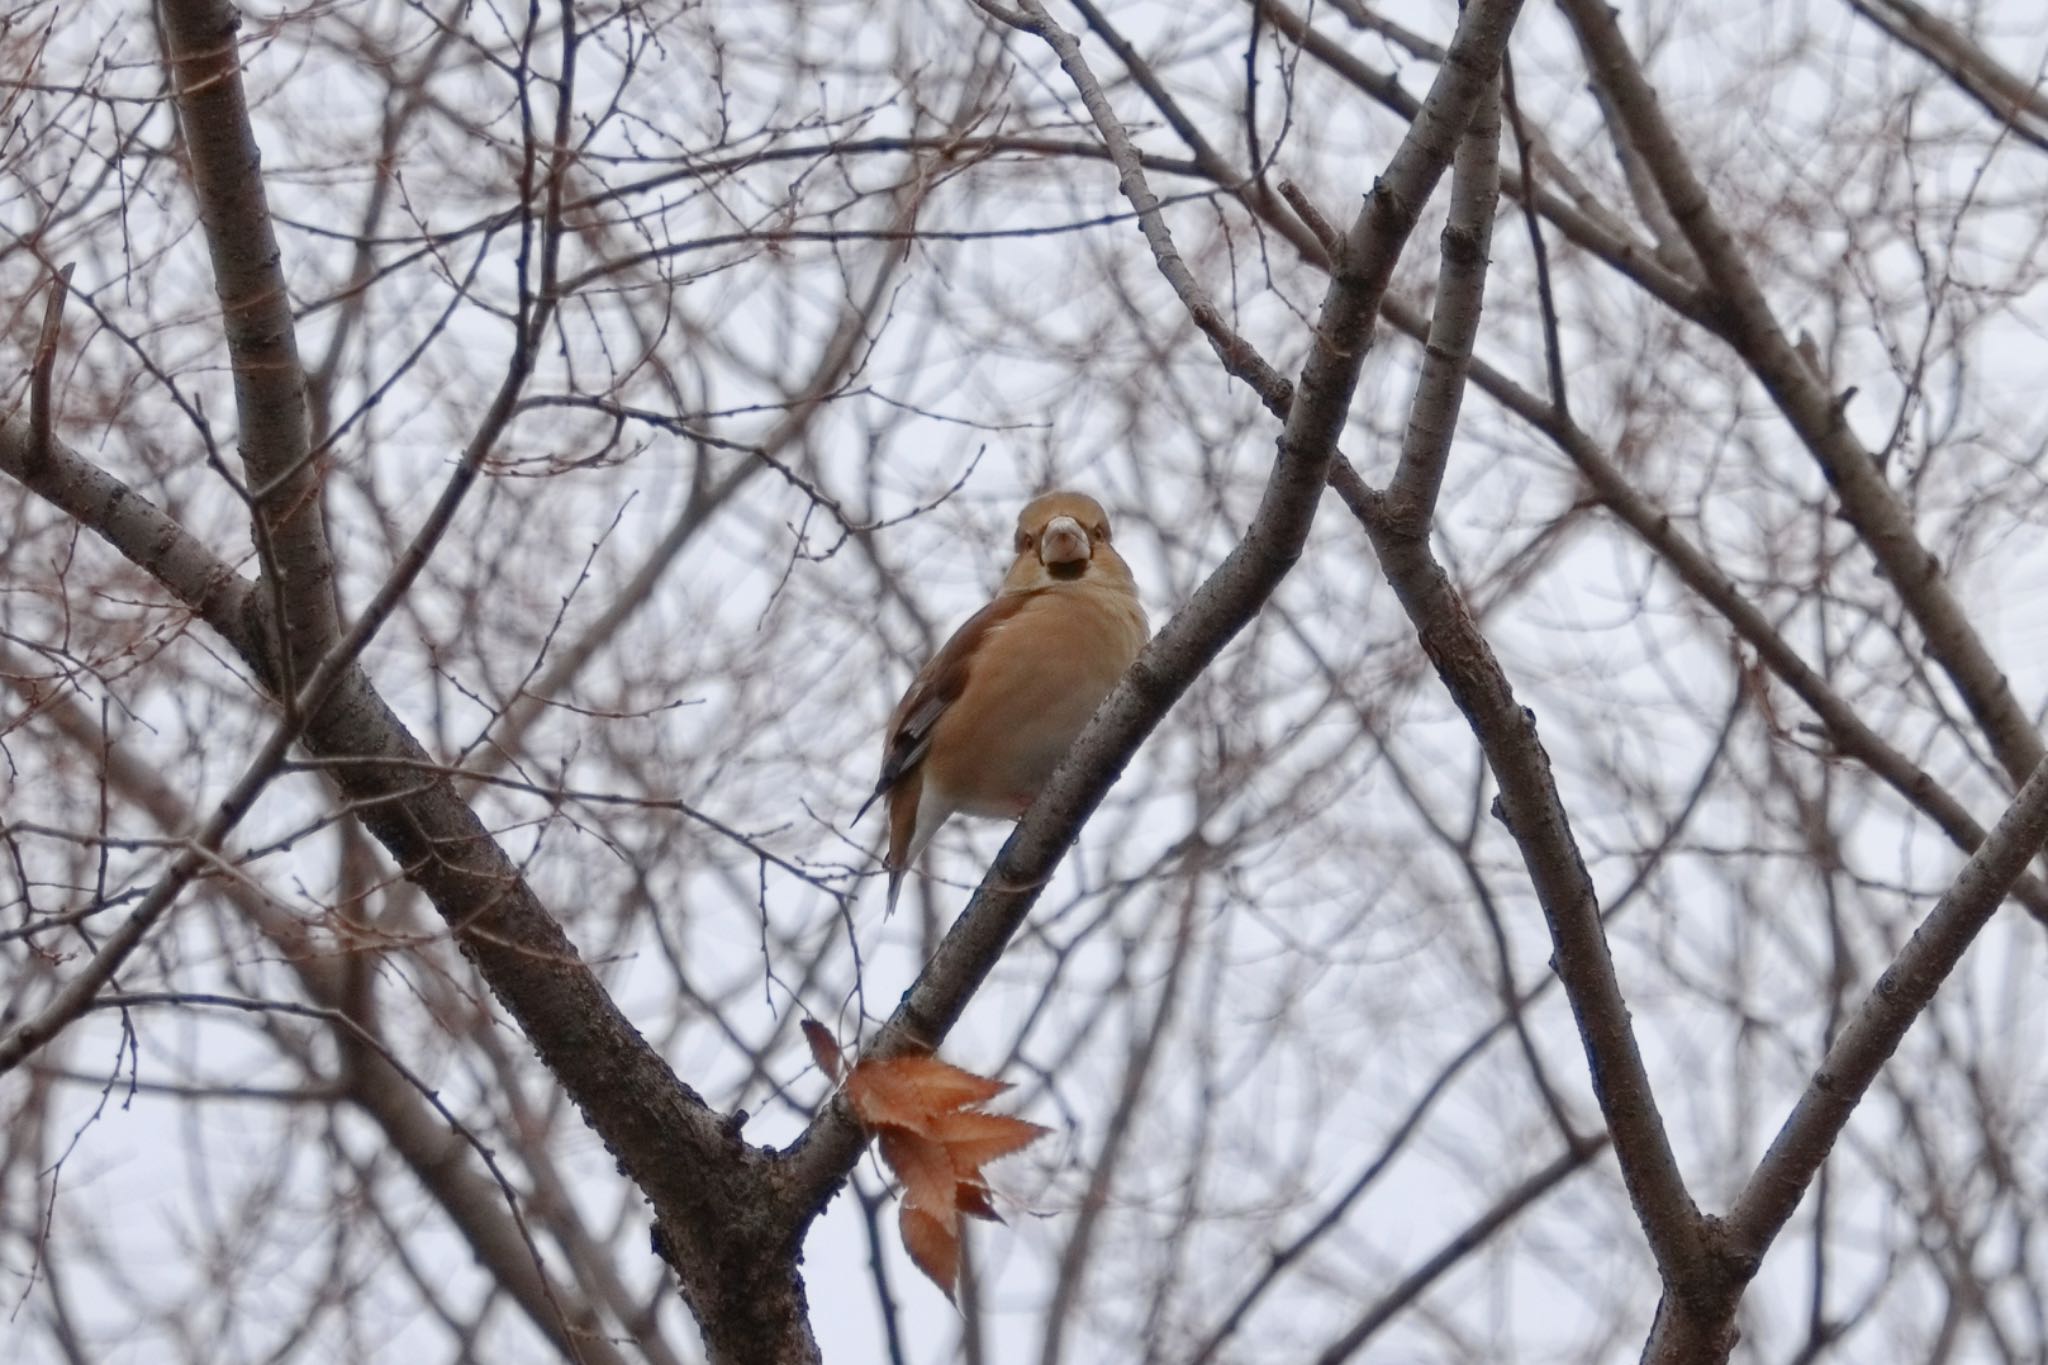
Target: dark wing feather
937, 686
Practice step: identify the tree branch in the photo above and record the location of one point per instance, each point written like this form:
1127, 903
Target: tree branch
1240, 358
2013, 102
704, 1183
1528, 801
488, 1223
45, 365
1875, 1030
256, 321
1743, 318
1474, 1235
1453, 324
1654, 526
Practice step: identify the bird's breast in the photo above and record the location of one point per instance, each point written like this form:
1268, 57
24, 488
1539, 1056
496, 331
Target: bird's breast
1034, 683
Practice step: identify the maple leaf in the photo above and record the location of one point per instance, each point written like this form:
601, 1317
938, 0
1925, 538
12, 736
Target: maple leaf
913, 1091
923, 1167
933, 1244
926, 1118
973, 1138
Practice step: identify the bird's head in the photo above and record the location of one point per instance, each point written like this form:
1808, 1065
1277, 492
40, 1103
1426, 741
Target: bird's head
1063, 537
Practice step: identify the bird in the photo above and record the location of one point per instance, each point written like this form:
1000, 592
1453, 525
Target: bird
988, 718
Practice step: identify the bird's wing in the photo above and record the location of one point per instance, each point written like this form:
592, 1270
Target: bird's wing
935, 688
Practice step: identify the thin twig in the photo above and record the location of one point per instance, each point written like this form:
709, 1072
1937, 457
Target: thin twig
39, 414
1239, 356
1475, 1235
1546, 299
342, 1023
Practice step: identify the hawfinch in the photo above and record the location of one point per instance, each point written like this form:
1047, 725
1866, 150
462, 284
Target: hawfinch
988, 719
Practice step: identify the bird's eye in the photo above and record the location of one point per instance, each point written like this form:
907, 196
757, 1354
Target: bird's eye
1101, 531
1025, 540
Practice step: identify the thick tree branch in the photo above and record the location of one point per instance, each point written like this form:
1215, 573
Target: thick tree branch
139, 530
1400, 525
1453, 324
737, 1270
1534, 813
45, 364
256, 321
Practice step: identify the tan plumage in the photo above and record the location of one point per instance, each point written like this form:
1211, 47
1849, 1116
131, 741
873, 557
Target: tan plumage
986, 721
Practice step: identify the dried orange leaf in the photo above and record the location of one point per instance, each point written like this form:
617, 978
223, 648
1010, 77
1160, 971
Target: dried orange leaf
973, 1201
910, 1091
924, 1168
924, 1115
933, 1244
973, 1138
824, 1049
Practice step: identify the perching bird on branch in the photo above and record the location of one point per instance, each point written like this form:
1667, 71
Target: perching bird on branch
990, 716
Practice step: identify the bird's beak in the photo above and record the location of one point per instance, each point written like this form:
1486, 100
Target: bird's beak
1062, 542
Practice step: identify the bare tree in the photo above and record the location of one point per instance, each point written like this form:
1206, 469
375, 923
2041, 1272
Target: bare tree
477, 476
